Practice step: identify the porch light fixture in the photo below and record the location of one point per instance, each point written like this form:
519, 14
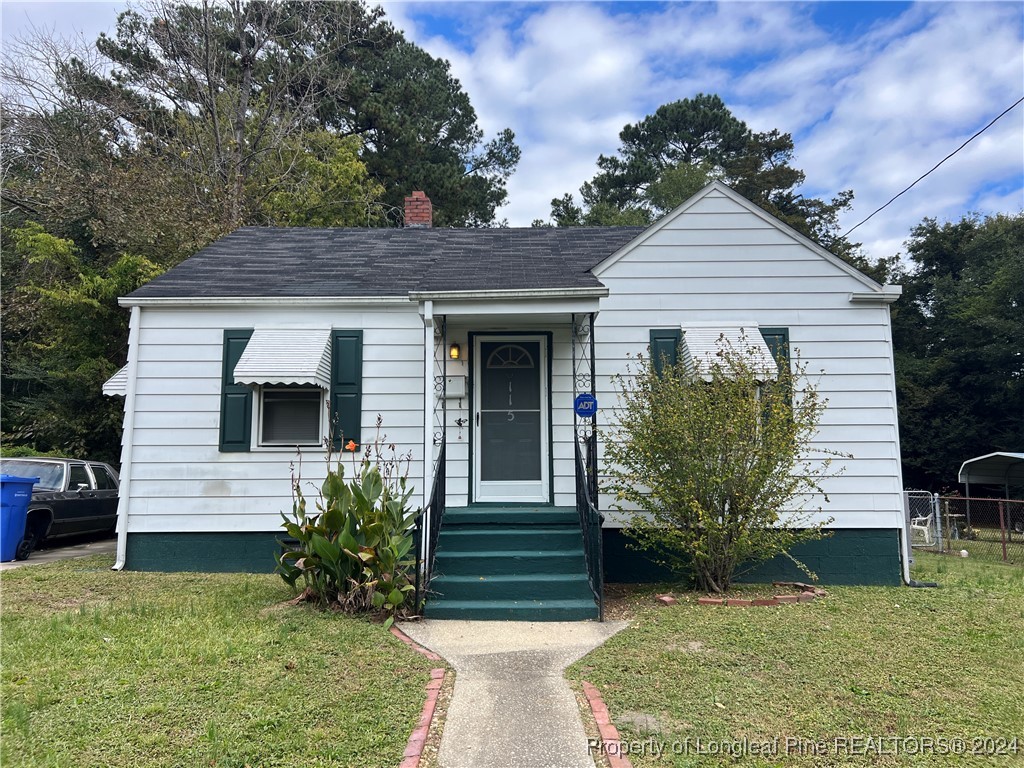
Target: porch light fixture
455, 352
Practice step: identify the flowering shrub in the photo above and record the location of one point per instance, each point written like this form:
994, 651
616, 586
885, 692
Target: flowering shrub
352, 553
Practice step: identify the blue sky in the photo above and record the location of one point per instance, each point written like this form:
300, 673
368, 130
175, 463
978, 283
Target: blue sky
874, 93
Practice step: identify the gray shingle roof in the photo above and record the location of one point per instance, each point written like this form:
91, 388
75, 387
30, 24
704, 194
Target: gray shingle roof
271, 262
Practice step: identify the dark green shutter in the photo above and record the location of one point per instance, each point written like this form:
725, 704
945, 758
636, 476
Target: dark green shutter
346, 386
665, 347
235, 399
777, 340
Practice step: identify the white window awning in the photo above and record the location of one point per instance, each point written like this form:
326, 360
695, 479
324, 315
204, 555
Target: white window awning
286, 356
117, 385
703, 344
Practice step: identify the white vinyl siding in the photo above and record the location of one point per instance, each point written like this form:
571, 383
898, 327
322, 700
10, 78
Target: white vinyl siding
180, 479
717, 262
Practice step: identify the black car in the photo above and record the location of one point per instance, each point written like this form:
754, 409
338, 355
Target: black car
72, 497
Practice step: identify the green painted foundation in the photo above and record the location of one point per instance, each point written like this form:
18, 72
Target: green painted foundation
473, 547
854, 556
203, 552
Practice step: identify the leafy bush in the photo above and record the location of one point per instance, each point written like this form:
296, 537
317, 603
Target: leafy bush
713, 466
27, 451
353, 552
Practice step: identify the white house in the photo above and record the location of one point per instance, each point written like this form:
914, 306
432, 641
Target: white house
472, 345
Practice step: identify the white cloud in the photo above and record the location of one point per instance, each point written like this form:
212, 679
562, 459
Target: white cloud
870, 107
909, 100
870, 111
71, 19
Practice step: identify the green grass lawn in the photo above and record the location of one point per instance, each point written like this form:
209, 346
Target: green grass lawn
876, 662
988, 545
145, 669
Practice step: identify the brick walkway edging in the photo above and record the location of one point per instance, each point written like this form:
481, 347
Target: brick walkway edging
610, 743
418, 738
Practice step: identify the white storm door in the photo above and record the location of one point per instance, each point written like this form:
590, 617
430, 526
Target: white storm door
510, 425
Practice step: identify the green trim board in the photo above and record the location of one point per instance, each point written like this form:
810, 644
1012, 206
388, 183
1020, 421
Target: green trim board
854, 556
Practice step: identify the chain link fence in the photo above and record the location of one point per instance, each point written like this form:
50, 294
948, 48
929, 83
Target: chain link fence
988, 529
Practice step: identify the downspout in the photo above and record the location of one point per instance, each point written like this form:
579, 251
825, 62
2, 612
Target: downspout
127, 439
902, 527
428, 410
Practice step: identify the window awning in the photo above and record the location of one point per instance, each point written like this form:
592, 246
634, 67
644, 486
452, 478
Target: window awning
286, 356
702, 346
117, 385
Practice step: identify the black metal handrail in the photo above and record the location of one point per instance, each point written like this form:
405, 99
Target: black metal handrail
432, 513
590, 519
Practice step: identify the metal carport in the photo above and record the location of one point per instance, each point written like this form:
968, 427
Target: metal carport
1005, 469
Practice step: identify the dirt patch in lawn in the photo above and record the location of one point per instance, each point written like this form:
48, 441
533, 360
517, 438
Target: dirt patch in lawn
623, 601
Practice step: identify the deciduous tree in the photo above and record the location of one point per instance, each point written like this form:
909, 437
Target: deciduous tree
224, 84
958, 332
64, 335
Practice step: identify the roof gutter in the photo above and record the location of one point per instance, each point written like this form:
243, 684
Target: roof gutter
266, 301
512, 294
887, 295
357, 301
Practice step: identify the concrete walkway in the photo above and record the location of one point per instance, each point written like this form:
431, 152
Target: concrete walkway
57, 552
512, 707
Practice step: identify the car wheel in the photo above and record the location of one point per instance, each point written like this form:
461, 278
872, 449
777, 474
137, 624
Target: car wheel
26, 546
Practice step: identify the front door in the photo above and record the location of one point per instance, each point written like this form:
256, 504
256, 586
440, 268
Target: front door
510, 438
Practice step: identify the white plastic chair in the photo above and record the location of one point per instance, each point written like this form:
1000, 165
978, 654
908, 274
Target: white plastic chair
922, 527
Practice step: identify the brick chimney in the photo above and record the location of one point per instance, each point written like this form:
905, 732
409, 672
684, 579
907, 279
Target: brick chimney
418, 211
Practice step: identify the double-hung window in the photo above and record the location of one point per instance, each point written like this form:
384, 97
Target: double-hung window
291, 415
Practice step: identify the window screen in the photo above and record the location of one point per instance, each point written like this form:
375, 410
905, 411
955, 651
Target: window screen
291, 417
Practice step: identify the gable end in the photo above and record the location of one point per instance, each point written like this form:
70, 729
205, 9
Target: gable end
718, 189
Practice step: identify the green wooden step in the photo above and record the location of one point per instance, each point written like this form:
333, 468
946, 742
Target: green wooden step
507, 537
500, 515
535, 586
514, 610
508, 562
521, 563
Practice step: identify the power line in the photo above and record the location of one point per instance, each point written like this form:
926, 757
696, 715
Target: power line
919, 178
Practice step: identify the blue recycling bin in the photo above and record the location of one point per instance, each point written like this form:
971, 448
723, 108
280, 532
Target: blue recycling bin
15, 495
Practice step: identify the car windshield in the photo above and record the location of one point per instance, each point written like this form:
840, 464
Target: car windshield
50, 474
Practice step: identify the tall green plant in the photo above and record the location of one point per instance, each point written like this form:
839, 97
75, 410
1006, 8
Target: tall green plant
713, 467
353, 552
